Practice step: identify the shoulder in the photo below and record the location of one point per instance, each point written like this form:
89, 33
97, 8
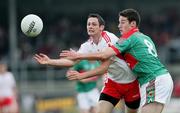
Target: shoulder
9, 74
110, 36
138, 37
86, 43
84, 47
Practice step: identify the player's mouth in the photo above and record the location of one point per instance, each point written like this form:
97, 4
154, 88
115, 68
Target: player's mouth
91, 31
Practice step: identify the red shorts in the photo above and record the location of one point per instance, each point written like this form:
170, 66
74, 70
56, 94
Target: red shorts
5, 101
129, 92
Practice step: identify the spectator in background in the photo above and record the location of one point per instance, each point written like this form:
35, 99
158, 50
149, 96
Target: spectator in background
8, 92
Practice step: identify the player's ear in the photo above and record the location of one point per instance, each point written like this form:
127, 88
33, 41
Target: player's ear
102, 27
133, 24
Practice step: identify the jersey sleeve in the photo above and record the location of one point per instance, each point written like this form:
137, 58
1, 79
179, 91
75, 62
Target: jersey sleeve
113, 37
123, 45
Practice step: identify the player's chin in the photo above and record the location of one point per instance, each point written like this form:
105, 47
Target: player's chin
121, 31
91, 33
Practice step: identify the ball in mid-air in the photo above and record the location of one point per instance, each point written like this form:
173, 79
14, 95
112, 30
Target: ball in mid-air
31, 25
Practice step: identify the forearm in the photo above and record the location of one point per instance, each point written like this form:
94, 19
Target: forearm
92, 56
62, 62
92, 73
107, 53
97, 71
89, 79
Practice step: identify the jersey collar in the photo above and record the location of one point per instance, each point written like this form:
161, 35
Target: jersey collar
133, 30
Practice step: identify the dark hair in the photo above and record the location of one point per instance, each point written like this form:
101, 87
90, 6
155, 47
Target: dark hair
131, 15
100, 19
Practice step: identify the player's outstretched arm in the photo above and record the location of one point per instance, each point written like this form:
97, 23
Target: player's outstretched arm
107, 53
45, 60
74, 75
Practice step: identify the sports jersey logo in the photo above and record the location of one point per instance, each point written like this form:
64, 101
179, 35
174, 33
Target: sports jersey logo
150, 92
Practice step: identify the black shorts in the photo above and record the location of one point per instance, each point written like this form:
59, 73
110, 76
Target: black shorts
132, 104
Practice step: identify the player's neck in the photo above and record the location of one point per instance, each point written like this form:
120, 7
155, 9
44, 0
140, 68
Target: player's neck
96, 39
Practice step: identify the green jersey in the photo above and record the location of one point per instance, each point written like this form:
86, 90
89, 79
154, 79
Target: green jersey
84, 66
141, 56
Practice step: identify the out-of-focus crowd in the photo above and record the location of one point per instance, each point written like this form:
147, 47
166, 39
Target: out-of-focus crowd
64, 32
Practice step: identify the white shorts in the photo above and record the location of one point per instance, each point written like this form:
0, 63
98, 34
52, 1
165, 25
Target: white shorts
86, 100
158, 90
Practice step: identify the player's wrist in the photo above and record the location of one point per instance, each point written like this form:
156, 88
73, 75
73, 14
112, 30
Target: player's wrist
80, 76
48, 62
79, 57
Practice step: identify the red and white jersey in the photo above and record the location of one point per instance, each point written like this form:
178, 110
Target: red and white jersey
90, 47
118, 71
7, 83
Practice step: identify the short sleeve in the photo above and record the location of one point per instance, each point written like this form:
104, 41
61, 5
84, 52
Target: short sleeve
123, 45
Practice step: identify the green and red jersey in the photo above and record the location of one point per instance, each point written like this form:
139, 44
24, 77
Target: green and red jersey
140, 54
83, 66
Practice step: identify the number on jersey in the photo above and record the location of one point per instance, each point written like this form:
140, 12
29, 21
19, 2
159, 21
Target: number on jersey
151, 49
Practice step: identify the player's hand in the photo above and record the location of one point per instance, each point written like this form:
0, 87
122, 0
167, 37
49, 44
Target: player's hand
70, 54
73, 75
41, 58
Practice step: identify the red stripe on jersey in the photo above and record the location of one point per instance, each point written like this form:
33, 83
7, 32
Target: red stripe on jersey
108, 40
106, 37
118, 54
131, 61
126, 35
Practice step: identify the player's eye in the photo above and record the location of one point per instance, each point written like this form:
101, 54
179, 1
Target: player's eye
94, 24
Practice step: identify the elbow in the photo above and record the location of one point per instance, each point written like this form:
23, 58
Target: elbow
102, 70
104, 57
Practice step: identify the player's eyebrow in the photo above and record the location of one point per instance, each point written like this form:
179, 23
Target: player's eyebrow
123, 20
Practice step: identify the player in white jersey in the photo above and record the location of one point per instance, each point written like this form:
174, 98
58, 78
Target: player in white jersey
110, 95
8, 103
120, 84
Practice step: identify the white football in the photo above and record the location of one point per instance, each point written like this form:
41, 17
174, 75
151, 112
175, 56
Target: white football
31, 25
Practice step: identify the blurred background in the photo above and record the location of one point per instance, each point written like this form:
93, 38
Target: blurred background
44, 89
